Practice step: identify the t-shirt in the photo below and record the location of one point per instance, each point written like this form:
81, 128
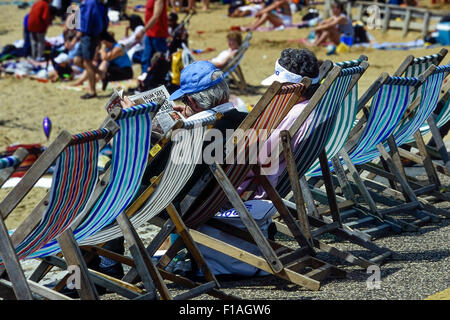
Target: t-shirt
161, 28
39, 17
223, 57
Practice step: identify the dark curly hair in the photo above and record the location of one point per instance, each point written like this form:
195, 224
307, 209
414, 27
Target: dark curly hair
302, 62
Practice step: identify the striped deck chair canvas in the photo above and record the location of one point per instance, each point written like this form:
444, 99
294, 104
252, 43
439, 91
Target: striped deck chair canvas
9, 163
344, 122
386, 113
326, 104
131, 146
73, 182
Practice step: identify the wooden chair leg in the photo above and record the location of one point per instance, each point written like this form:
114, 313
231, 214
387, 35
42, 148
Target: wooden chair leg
12, 264
73, 256
147, 270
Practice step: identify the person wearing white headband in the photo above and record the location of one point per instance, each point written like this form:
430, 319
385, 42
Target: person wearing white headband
291, 67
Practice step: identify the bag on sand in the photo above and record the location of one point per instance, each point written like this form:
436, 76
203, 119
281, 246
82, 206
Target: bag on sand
223, 265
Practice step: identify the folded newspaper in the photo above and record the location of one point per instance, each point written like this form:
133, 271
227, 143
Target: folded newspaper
166, 115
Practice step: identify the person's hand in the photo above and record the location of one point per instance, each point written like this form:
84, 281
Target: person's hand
184, 110
126, 102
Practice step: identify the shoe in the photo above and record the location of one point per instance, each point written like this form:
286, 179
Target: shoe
88, 96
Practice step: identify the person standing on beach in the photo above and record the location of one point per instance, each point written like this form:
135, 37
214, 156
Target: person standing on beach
39, 19
90, 27
156, 31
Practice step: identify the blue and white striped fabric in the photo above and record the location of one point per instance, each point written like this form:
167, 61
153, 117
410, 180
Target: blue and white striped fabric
344, 123
131, 146
441, 119
319, 131
387, 108
428, 101
420, 64
8, 162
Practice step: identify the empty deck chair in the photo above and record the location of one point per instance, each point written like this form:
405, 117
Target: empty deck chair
73, 183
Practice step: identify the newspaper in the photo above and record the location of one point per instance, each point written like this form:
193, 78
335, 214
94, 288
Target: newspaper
166, 115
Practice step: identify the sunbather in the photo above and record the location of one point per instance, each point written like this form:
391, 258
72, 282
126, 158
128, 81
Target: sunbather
332, 29
278, 13
247, 10
234, 42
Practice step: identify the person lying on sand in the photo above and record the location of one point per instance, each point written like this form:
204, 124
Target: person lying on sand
278, 13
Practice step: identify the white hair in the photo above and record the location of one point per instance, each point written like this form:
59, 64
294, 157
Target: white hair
213, 96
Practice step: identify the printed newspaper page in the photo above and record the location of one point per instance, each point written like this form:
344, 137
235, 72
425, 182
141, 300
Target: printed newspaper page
166, 116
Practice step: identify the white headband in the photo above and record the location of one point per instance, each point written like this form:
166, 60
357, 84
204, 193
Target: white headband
282, 75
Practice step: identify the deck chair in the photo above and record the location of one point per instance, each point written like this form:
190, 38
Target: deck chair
291, 264
372, 142
356, 216
93, 229
9, 164
413, 67
233, 69
73, 183
346, 116
268, 112
432, 125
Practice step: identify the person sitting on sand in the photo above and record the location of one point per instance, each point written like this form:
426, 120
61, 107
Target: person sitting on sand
234, 42
115, 61
278, 13
335, 27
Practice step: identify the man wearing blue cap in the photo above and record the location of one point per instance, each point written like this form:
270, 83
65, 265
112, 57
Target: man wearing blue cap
202, 87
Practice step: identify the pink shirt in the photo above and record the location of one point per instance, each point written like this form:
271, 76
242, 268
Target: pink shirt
272, 143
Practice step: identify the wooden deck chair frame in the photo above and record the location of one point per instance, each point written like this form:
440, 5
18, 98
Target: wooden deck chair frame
260, 262
303, 194
11, 163
152, 277
233, 69
307, 246
412, 67
416, 207
365, 217
169, 226
21, 286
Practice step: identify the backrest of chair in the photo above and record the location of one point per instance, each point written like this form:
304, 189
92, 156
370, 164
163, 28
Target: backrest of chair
73, 181
413, 67
131, 146
345, 119
387, 108
9, 164
319, 132
266, 115
236, 59
177, 172
429, 95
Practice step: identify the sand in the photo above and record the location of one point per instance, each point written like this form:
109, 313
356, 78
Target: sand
24, 103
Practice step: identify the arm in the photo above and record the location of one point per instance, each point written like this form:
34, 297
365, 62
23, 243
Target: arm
157, 11
331, 23
111, 55
271, 7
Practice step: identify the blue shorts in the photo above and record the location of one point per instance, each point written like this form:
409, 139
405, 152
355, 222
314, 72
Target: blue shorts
86, 49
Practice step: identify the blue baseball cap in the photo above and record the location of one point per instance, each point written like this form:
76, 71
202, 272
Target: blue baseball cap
196, 77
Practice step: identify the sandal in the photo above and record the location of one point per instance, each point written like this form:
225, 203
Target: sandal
88, 96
